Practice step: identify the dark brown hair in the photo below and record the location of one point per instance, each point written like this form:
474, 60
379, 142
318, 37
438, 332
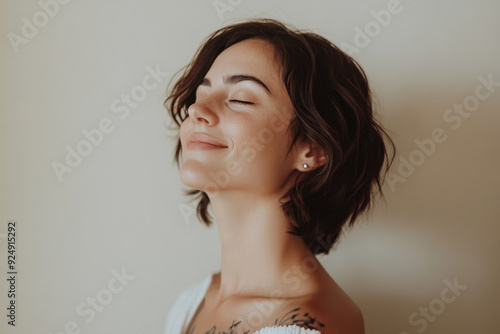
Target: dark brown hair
333, 108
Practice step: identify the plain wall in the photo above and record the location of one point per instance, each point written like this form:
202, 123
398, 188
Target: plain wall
122, 207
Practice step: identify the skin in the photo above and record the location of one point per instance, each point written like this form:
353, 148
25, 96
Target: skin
260, 261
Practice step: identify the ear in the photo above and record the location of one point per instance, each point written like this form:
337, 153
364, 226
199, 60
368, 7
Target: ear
311, 154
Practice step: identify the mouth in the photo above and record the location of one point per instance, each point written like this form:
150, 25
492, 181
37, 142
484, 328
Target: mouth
200, 141
194, 145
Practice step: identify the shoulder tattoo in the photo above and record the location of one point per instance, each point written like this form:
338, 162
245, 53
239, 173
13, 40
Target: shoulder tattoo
292, 317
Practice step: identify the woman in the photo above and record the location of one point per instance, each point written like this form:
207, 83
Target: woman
277, 133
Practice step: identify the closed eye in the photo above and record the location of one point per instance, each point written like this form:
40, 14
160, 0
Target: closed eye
241, 102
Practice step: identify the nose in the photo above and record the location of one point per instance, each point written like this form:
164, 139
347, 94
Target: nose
201, 111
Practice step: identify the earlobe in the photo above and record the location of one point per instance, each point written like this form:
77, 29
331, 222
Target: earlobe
312, 157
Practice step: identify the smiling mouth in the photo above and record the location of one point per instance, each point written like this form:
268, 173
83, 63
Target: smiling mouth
194, 145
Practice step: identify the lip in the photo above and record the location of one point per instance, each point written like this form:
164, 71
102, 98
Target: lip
203, 141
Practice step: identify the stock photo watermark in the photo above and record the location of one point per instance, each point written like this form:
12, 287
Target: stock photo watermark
381, 20
187, 211
88, 309
121, 107
421, 318
30, 27
453, 117
224, 6
12, 271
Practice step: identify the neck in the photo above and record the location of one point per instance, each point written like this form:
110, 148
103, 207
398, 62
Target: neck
257, 252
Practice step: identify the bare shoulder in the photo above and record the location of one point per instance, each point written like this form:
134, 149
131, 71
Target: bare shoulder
330, 311
338, 314
326, 308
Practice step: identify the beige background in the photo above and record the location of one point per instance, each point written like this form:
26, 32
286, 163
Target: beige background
122, 207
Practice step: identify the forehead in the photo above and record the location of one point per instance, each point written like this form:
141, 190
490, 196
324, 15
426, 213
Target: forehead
252, 56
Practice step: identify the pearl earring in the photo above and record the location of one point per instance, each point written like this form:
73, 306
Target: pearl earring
305, 166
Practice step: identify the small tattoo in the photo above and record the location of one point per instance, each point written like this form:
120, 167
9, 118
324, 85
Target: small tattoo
232, 329
306, 320
291, 318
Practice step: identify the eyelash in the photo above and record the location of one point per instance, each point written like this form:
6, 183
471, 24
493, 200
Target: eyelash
241, 102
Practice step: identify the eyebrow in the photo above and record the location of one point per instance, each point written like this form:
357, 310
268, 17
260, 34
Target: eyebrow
234, 79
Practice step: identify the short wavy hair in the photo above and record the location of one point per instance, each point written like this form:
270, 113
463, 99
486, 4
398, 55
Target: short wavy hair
332, 107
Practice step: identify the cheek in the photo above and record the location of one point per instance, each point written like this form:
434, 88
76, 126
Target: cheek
243, 128
183, 129
256, 141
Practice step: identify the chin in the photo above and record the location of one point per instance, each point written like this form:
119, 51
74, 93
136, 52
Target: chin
195, 177
198, 178
190, 178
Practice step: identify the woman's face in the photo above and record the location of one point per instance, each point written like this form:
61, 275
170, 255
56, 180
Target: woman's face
242, 104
